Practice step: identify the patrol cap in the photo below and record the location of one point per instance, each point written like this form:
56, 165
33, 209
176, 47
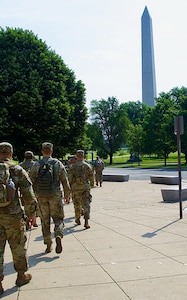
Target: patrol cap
80, 153
29, 154
5, 147
47, 146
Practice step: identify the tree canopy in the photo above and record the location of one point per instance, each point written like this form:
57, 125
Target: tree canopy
112, 122
40, 98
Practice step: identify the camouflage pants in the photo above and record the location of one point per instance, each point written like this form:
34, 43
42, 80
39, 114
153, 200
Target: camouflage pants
51, 207
12, 230
82, 200
99, 176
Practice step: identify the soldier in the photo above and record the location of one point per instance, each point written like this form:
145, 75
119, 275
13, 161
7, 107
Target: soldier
81, 179
12, 178
47, 176
27, 165
98, 167
28, 161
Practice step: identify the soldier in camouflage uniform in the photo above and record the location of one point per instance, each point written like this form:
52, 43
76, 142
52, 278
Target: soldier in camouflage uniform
98, 167
81, 179
50, 203
11, 218
28, 161
27, 165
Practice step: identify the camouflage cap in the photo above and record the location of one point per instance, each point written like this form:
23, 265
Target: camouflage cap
29, 154
47, 146
5, 147
80, 153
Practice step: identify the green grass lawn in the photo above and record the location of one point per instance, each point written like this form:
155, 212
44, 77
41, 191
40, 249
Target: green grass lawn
147, 162
120, 158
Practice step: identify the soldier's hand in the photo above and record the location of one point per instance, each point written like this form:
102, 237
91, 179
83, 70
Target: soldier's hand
66, 200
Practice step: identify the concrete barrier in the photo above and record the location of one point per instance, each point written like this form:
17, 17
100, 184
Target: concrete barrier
115, 177
172, 194
170, 180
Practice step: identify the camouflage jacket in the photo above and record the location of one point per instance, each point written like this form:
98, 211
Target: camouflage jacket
60, 176
81, 175
98, 165
27, 165
23, 185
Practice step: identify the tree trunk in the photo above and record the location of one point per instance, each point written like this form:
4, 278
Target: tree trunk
165, 157
185, 157
111, 154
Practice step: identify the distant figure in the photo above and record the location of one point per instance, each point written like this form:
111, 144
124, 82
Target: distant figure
98, 167
12, 178
71, 160
27, 165
47, 176
28, 161
81, 180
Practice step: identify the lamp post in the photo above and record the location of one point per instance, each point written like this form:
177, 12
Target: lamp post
179, 129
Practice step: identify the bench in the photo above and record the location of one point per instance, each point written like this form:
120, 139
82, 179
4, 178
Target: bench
171, 180
172, 194
115, 177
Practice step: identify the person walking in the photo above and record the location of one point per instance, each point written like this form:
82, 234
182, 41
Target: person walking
47, 176
27, 165
71, 160
13, 178
81, 180
28, 161
98, 167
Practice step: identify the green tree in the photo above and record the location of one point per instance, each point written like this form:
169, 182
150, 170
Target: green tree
97, 141
179, 96
158, 128
39, 97
134, 139
112, 122
136, 111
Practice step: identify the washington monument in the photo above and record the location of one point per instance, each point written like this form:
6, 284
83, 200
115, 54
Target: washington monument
148, 62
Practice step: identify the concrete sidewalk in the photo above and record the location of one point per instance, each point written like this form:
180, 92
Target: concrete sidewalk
135, 249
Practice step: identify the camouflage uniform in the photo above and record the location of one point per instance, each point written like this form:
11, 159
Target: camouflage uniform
28, 162
11, 217
98, 167
27, 165
51, 206
81, 179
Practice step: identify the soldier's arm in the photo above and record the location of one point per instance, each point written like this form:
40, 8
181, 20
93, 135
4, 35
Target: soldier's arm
27, 191
91, 177
64, 180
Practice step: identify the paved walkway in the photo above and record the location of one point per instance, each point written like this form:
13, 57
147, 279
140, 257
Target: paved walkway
135, 249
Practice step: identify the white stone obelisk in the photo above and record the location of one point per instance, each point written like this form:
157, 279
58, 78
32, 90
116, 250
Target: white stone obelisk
148, 62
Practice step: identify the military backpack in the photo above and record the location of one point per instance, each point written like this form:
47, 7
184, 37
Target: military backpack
80, 174
99, 165
7, 186
46, 178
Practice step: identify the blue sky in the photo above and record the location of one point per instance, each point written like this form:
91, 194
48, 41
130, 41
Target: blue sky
100, 40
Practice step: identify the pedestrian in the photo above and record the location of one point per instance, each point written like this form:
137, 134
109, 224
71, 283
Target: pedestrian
27, 164
71, 160
12, 178
98, 166
47, 175
81, 180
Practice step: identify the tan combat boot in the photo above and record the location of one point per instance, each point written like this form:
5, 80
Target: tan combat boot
77, 221
86, 225
23, 278
58, 245
1, 288
49, 248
